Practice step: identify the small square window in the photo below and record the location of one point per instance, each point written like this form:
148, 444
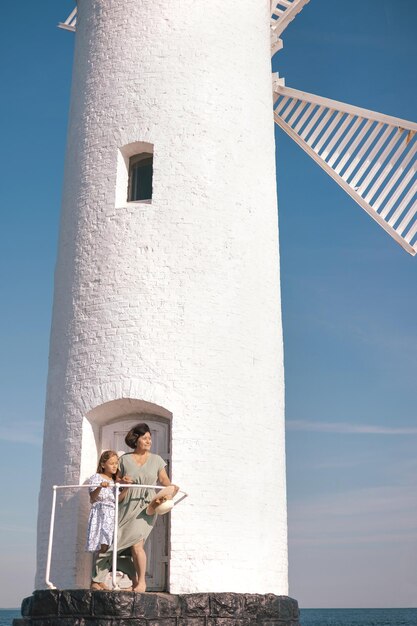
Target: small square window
140, 177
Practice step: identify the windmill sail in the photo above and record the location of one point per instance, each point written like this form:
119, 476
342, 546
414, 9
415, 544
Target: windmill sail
282, 13
371, 155
70, 22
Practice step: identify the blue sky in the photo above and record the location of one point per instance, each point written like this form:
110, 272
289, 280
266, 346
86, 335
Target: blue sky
349, 306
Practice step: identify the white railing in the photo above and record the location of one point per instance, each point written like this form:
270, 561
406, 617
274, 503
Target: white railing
372, 156
116, 488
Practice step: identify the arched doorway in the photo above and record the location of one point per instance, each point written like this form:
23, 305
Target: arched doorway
157, 545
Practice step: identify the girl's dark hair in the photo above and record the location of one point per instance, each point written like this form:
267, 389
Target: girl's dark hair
105, 456
134, 433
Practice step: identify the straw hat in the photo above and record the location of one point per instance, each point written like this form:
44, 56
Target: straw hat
164, 507
166, 495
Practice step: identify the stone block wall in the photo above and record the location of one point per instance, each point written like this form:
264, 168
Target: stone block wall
101, 608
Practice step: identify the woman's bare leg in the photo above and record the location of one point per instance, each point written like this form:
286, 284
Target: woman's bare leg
139, 561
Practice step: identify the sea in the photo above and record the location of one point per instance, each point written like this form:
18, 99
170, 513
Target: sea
358, 617
7, 616
316, 617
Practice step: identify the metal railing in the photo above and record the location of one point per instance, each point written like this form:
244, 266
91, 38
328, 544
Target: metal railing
116, 488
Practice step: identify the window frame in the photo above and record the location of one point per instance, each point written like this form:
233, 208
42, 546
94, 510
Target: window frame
144, 158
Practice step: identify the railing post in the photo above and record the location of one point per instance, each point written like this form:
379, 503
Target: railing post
116, 525
51, 537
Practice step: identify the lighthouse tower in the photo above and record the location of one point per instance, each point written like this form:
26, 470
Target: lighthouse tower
167, 295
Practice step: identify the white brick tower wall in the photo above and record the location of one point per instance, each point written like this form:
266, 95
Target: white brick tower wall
173, 305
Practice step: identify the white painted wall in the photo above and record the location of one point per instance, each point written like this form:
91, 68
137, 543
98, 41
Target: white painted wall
174, 305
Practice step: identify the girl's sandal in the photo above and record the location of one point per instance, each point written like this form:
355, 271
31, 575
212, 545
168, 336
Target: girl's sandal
99, 587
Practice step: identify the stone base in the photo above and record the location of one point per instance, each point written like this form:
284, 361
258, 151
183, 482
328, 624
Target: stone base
122, 608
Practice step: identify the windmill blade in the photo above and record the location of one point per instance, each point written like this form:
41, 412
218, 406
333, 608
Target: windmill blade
371, 155
70, 22
282, 13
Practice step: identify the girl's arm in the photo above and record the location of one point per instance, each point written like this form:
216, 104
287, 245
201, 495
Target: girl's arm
94, 494
123, 478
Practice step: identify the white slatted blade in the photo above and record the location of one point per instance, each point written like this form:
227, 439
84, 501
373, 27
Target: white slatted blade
371, 155
282, 13
70, 22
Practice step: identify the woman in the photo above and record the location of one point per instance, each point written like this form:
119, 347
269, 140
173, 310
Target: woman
135, 524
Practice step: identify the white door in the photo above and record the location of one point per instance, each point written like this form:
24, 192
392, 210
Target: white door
156, 546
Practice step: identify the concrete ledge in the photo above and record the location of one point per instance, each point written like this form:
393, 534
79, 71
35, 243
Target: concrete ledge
82, 607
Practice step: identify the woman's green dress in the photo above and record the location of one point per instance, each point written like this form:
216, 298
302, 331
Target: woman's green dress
134, 524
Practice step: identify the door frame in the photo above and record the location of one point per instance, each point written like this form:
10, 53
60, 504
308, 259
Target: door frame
158, 559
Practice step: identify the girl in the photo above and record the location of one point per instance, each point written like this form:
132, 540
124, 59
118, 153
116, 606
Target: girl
101, 521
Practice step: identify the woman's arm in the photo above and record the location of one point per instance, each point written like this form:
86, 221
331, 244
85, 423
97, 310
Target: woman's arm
122, 494
121, 476
164, 480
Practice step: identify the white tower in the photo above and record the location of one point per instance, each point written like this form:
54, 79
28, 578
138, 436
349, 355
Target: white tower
167, 297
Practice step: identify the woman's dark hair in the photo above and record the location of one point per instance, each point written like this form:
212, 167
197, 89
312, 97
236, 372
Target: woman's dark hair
105, 456
134, 433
